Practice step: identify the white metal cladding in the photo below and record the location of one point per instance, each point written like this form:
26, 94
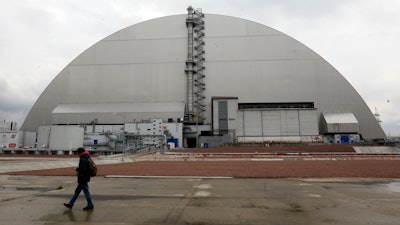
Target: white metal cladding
146, 62
232, 113
142, 107
240, 124
331, 118
309, 122
289, 123
215, 117
62, 137
339, 123
253, 124
66, 137
112, 113
273, 123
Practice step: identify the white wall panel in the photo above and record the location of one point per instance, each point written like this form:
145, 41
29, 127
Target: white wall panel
308, 122
271, 123
289, 123
232, 114
278, 123
60, 137
240, 124
253, 125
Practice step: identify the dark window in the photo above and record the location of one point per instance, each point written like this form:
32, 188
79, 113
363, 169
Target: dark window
277, 105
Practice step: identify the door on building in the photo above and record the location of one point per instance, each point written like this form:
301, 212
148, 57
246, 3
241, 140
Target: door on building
223, 117
191, 142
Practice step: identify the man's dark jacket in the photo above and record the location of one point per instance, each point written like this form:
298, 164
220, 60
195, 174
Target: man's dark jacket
83, 171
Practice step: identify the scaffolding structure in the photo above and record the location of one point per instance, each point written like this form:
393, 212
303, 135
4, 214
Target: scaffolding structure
194, 70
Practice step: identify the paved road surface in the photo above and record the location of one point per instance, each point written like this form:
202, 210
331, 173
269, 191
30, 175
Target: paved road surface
189, 201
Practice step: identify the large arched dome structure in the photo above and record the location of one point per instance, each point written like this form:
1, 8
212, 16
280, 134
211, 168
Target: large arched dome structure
143, 71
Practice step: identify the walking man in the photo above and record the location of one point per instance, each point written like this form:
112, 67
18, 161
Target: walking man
83, 173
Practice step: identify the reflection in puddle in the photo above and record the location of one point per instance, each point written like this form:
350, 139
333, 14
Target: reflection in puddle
85, 216
69, 216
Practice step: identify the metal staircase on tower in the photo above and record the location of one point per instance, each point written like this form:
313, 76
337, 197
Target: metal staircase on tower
195, 88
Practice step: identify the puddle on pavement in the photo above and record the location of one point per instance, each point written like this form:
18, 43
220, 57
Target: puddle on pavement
41, 189
8, 189
394, 186
68, 216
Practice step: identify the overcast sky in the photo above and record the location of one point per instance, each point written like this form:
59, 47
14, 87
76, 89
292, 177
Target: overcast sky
360, 38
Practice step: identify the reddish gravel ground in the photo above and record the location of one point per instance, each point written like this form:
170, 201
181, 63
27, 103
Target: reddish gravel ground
288, 168
261, 168
243, 169
5, 156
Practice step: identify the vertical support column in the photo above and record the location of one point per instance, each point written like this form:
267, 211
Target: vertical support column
195, 67
189, 66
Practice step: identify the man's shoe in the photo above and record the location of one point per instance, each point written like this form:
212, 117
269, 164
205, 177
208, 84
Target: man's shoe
69, 206
88, 208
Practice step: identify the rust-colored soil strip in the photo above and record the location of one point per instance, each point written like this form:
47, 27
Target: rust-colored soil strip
244, 169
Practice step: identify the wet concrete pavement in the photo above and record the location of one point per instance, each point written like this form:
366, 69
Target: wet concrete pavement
196, 200
13, 164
